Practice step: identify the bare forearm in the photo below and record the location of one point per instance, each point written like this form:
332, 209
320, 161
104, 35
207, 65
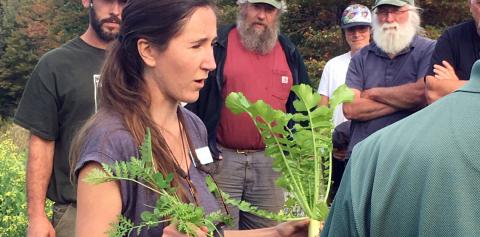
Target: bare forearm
407, 96
365, 109
39, 170
436, 89
324, 100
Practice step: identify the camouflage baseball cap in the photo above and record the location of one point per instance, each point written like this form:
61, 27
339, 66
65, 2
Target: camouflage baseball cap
276, 3
398, 3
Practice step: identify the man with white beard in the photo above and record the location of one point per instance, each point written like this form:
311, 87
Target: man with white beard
252, 57
387, 75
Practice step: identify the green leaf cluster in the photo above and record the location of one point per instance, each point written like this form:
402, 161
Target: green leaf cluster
300, 145
168, 208
13, 200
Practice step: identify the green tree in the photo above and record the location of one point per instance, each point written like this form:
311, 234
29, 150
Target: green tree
38, 26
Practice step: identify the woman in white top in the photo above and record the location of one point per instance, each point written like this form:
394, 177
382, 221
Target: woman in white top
356, 27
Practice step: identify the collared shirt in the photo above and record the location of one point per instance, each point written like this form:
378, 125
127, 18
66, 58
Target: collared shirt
417, 177
371, 67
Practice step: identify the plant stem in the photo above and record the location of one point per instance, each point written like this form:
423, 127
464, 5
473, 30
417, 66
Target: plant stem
299, 192
298, 189
139, 183
329, 183
316, 157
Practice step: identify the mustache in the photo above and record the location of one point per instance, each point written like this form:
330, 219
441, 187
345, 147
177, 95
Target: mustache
111, 19
258, 23
389, 26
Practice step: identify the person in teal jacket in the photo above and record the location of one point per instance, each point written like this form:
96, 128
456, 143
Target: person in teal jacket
417, 177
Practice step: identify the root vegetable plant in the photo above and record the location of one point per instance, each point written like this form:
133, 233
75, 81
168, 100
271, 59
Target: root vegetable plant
300, 145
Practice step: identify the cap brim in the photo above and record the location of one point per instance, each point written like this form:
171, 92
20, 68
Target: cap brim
355, 24
274, 3
397, 3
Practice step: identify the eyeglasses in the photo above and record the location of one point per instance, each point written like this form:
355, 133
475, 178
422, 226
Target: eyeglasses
395, 12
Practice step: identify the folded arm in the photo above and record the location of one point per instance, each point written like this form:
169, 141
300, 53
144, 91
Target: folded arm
436, 89
364, 109
410, 96
443, 83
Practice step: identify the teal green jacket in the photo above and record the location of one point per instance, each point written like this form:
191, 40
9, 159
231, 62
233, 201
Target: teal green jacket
417, 177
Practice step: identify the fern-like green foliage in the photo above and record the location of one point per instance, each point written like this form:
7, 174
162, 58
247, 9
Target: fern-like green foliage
302, 153
169, 208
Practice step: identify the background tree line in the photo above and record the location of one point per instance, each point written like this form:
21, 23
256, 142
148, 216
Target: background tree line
29, 28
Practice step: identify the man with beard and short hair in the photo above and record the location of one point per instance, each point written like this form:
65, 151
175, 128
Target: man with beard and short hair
252, 57
456, 51
59, 97
387, 75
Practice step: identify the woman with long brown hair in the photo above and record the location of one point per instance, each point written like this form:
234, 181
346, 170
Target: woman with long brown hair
162, 56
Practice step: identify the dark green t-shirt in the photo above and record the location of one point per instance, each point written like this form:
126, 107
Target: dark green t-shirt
57, 100
417, 177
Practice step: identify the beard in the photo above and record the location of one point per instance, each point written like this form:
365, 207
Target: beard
97, 24
253, 39
392, 38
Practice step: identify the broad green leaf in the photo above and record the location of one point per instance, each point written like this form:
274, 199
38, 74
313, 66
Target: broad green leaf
341, 95
237, 103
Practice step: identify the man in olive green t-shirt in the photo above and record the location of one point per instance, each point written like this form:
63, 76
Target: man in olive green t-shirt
57, 100
417, 177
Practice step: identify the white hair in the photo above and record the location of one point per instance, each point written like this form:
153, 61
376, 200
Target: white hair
283, 9
394, 41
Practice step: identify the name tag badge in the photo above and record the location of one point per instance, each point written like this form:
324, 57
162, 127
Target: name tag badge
204, 155
284, 79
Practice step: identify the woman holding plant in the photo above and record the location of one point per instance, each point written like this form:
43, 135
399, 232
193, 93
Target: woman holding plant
162, 56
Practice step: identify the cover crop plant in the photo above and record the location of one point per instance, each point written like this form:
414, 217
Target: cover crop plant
300, 145
168, 208
13, 201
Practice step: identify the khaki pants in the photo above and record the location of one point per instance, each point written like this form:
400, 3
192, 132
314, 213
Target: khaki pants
249, 176
63, 220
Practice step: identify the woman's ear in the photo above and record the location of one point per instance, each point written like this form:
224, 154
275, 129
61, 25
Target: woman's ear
146, 52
